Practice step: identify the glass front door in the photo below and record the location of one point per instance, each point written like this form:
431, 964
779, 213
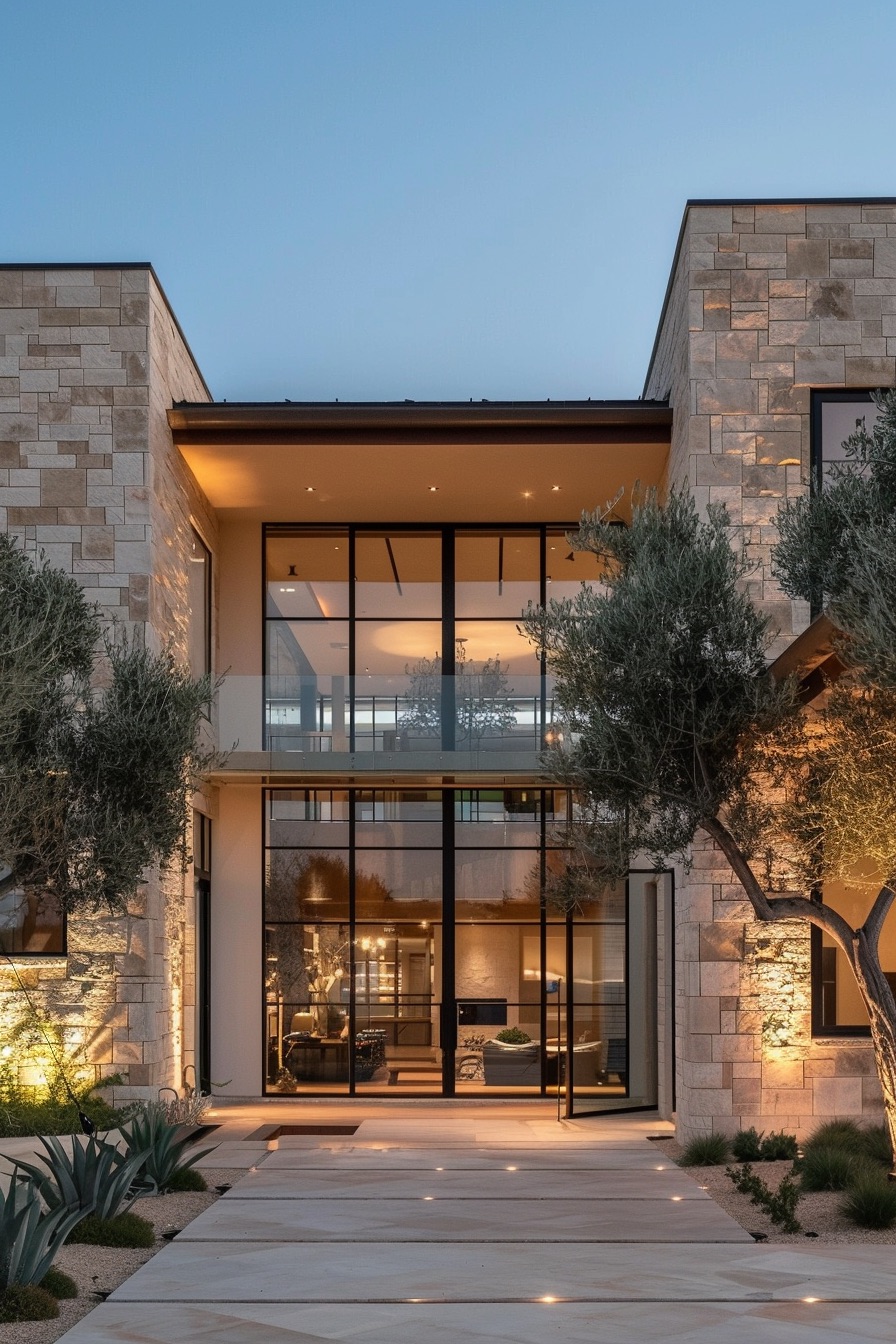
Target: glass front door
410, 949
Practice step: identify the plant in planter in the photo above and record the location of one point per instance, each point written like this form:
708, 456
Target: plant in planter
513, 1036
511, 1059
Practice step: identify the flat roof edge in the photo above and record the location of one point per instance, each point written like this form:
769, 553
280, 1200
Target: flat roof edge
708, 202
114, 266
307, 415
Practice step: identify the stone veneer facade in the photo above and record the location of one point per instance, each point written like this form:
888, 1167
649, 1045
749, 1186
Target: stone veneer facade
766, 302
91, 358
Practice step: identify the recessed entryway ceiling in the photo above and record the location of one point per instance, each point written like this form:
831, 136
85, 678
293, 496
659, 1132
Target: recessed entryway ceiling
478, 482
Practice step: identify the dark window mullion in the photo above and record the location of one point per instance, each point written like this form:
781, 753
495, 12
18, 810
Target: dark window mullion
448, 1008
449, 710
353, 697
352, 1011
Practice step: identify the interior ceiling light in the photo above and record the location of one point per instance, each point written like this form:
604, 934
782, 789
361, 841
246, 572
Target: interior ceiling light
555, 488
433, 489
527, 494
309, 489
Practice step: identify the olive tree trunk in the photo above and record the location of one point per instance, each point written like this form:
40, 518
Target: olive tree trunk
861, 947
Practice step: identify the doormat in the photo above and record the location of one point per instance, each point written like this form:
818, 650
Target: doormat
268, 1132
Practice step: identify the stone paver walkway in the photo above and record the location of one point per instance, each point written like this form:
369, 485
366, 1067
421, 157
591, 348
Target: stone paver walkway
440, 1226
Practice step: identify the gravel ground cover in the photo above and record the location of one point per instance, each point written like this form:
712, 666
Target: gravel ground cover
818, 1213
100, 1269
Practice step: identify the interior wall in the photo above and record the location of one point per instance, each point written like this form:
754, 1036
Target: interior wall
236, 945
239, 610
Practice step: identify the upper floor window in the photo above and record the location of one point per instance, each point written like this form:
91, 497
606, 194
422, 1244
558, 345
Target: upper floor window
407, 639
835, 416
199, 592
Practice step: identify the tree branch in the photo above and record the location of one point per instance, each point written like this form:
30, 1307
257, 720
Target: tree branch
819, 914
875, 922
741, 868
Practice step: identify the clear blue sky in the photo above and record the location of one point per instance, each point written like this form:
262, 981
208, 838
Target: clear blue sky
377, 199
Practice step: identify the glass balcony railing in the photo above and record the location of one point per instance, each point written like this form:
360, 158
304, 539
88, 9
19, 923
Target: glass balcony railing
383, 716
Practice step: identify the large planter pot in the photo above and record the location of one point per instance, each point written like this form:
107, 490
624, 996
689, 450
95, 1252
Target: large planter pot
511, 1065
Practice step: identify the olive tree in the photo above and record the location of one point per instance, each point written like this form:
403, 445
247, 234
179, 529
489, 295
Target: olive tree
674, 726
98, 744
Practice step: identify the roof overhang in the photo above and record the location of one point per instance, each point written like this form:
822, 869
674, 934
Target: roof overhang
368, 462
812, 657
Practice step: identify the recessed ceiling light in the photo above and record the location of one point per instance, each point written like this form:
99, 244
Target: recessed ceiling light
309, 489
555, 488
527, 494
433, 489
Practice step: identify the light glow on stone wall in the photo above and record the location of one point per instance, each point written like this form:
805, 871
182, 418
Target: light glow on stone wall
779, 973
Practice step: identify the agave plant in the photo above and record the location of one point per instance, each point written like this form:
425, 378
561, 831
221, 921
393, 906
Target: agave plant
96, 1178
30, 1236
160, 1147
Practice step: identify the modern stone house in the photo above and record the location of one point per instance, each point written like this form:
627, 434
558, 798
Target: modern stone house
366, 914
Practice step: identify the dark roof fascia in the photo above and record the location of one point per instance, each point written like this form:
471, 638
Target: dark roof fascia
709, 203
113, 266
266, 417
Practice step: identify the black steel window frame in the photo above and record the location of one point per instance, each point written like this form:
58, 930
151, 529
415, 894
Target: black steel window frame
449, 533
816, 466
447, 1006
207, 598
816, 445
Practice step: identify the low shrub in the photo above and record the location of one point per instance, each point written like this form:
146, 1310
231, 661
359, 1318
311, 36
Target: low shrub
59, 1284
709, 1150
778, 1147
22, 1115
829, 1169
747, 1145
126, 1230
513, 1036
27, 1302
871, 1200
779, 1205
844, 1134
187, 1179
875, 1145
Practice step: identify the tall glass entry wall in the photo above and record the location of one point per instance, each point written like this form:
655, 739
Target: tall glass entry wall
406, 640
409, 948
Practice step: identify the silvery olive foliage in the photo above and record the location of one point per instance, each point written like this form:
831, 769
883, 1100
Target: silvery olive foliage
674, 724
661, 681
837, 546
98, 744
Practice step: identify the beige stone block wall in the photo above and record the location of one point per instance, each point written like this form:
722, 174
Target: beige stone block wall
90, 361
767, 303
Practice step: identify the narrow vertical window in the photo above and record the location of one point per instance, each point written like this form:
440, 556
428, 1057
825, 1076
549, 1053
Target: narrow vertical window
199, 592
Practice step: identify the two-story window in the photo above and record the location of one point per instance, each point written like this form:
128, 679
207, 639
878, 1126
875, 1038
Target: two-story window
836, 1006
